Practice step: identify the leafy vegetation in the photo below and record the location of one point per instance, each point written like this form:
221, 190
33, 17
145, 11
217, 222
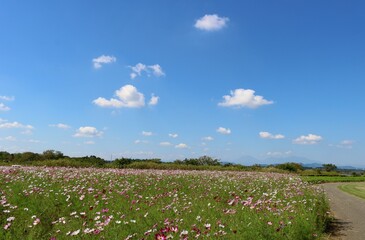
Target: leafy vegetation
93, 203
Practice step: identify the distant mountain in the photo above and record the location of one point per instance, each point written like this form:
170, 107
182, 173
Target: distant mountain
312, 165
280, 160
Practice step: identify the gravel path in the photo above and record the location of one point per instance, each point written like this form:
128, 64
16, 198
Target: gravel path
349, 213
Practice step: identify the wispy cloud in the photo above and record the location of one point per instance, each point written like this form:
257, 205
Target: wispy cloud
224, 131
140, 68
7, 98
88, 131
173, 135
278, 154
165, 144
154, 100
308, 139
244, 98
60, 125
128, 97
140, 141
144, 133
211, 22
268, 135
3, 107
182, 146
348, 144
15, 125
208, 138
103, 59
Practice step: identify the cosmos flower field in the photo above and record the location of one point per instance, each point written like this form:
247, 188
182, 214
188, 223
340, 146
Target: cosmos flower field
70, 203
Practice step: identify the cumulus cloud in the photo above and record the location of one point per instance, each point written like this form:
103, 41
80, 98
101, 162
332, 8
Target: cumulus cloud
103, 59
3, 107
88, 132
128, 97
165, 144
144, 133
309, 139
268, 135
140, 68
173, 135
181, 146
244, 98
154, 100
60, 125
223, 130
15, 125
211, 22
208, 138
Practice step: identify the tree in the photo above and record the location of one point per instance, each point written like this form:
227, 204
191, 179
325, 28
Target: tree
52, 155
329, 167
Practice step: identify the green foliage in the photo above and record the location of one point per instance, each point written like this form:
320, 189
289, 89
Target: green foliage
52, 155
329, 167
291, 167
201, 161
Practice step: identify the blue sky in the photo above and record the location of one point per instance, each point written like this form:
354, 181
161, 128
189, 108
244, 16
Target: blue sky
243, 81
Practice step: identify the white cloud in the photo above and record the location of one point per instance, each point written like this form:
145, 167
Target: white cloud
156, 70
8, 138
15, 125
128, 96
244, 98
3, 120
140, 141
147, 133
348, 144
89, 142
268, 135
309, 139
154, 100
182, 146
223, 130
165, 144
60, 125
279, 154
88, 132
3, 107
7, 98
211, 22
173, 135
209, 138
103, 59
139, 68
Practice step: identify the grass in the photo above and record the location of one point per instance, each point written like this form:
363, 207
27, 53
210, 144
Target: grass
357, 189
326, 179
68, 203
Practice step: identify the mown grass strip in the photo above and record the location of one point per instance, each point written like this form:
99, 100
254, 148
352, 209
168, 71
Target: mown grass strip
326, 179
357, 189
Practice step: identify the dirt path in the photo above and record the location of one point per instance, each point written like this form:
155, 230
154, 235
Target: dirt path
349, 212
